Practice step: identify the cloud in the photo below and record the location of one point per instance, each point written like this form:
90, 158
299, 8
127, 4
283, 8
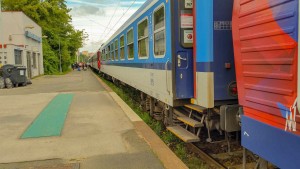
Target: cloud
84, 10
100, 18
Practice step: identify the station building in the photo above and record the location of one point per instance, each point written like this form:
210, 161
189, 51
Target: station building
21, 43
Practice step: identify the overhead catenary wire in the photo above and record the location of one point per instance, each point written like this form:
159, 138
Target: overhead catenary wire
124, 13
107, 27
121, 17
111, 19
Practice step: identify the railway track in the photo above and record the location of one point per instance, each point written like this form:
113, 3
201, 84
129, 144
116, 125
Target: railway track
206, 157
224, 160
231, 160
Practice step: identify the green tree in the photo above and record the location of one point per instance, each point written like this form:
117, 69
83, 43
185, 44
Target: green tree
54, 18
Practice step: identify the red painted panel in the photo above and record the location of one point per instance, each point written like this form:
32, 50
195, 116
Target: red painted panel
266, 58
298, 119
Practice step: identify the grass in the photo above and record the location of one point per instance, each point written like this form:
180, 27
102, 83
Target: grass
176, 145
61, 73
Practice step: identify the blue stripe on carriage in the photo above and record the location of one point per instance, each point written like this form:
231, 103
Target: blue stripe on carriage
158, 66
205, 67
201, 66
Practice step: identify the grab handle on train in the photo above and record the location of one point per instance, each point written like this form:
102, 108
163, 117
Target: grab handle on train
180, 58
166, 69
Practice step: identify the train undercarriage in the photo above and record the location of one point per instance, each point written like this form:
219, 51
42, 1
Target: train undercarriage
191, 123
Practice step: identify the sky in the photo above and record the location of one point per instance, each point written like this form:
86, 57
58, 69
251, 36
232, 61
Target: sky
100, 18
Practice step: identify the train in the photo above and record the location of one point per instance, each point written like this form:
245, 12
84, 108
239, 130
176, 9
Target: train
220, 65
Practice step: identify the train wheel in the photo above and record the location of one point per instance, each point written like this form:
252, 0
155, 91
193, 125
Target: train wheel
168, 115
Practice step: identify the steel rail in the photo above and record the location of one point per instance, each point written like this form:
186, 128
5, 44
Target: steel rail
208, 159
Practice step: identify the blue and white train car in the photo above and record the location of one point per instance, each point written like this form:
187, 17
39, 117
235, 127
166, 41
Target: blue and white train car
154, 52
142, 52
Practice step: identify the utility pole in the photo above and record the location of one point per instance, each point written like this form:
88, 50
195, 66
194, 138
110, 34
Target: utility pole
60, 70
1, 30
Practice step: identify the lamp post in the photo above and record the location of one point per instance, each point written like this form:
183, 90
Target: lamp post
1, 31
60, 70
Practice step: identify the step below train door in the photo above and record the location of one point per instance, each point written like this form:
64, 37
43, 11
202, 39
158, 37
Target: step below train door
183, 55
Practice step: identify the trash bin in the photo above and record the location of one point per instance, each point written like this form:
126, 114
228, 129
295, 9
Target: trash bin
14, 74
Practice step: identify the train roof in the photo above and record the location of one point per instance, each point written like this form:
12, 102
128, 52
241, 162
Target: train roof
148, 4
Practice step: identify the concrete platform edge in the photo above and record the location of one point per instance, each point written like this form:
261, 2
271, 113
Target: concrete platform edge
163, 152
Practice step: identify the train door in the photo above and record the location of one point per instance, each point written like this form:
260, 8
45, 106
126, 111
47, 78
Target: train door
183, 54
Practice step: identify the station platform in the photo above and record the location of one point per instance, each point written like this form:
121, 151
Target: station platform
75, 121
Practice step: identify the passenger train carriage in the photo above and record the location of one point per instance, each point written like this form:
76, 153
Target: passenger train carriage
179, 54
154, 53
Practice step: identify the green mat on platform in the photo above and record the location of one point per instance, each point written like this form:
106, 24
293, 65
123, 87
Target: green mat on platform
50, 121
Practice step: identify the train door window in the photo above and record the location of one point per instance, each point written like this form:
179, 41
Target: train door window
122, 49
159, 31
103, 55
143, 40
107, 54
130, 44
116, 50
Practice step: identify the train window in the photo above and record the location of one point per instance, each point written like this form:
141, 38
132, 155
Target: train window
122, 51
159, 31
112, 51
143, 40
130, 44
108, 53
116, 50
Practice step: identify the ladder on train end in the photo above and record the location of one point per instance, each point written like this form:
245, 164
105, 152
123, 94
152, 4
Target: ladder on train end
181, 130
